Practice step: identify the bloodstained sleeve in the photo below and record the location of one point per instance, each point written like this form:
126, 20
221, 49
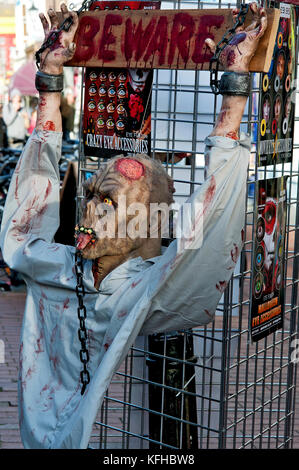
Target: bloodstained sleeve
31, 215
187, 282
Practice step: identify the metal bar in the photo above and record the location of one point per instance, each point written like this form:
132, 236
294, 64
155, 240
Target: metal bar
135, 435
245, 392
164, 415
223, 386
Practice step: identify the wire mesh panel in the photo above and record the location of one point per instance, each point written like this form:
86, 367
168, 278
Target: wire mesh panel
209, 387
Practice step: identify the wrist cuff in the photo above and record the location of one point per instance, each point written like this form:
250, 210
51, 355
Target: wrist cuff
233, 83
46, 82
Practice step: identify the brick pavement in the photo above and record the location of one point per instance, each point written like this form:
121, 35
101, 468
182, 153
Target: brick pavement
11, 311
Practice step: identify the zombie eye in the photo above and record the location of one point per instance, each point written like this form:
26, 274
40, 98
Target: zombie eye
91, 105
92, 90
111, 91
108, 201
101, 106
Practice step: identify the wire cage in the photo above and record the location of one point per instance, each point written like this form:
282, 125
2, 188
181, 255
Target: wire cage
209, 387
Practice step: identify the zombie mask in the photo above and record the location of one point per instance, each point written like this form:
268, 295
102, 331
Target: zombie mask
269, 215
270, 247
277, 108
266, 109
266, 230
280, 65
137, 79
116, 217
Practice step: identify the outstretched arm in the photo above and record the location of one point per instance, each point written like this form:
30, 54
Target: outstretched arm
190, 278
31, 215
52, 60
237, 59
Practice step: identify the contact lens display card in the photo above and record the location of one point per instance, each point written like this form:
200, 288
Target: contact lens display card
267, 297
117, 112
278, 95
117, 102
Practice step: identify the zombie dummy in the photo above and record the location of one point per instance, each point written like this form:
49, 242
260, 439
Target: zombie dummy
131, 288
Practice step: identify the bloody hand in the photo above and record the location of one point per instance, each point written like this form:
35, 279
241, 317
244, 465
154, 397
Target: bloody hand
237, 55
53, 58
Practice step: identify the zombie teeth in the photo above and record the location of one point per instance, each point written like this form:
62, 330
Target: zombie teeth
84, 236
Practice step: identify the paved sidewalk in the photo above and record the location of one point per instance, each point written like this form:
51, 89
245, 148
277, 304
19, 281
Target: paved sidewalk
11, 313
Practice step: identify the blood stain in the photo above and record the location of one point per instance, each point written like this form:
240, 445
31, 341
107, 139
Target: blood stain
39, 344
235, 253
134, 284
49, 126
122, 314
208, 313
221, 286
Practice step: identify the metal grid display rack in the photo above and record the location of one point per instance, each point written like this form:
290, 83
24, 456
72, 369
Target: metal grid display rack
210, 387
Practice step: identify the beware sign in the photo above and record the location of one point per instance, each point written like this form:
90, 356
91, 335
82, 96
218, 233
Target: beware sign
162, 39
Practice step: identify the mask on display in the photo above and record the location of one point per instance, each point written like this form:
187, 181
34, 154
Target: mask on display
137, 78
268, 231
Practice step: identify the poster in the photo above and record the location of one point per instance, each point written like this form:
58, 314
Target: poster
267, 302
277, 95
117, 102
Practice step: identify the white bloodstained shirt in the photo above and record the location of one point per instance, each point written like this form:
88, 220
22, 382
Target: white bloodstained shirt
179, 289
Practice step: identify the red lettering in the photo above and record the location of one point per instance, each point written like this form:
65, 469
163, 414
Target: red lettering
108, 37
88, 28
179, 37
158, 41
137, 39
206, 23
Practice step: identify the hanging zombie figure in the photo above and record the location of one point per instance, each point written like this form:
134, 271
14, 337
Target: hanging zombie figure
130, 287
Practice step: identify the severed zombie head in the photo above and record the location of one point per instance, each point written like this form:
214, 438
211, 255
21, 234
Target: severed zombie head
117, 217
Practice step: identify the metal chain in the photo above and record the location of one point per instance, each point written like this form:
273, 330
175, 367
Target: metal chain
82, 332
80, 291
65, 26
214, 62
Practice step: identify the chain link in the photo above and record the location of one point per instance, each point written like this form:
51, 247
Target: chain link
214, 62
82, 314
80, 291
53, 36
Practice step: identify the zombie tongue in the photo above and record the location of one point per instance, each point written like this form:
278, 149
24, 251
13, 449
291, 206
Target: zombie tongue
83, 240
